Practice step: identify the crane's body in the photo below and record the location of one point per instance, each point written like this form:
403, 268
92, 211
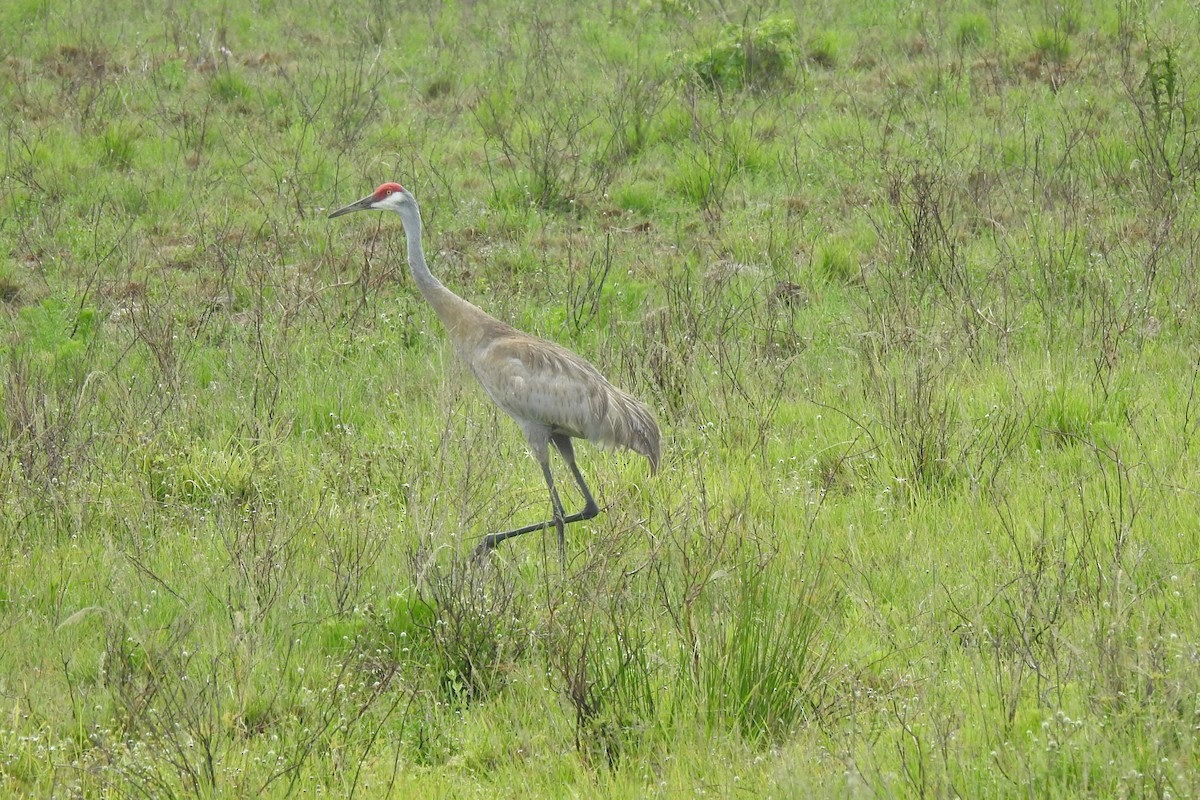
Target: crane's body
553, 394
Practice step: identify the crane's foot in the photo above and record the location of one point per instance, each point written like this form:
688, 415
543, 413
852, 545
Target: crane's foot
490, 541
485, 547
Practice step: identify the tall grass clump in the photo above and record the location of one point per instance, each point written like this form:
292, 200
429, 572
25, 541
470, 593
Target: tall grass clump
465, 625
761, 663
747, 57
970, 30
48, 381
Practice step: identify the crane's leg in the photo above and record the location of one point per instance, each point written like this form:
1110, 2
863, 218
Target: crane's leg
538, 447
590, 509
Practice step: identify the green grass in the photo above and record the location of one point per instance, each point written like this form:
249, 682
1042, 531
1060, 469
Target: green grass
914, 303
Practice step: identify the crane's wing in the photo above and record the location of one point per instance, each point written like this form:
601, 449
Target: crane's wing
540, 382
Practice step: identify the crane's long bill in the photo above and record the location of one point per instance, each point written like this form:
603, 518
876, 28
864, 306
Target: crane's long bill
361, 205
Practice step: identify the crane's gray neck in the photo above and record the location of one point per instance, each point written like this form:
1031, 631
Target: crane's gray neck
464, 322
410, 215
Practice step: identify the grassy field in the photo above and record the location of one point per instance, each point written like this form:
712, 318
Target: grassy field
912, 288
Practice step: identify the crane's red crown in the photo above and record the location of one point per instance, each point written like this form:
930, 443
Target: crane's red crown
387, 188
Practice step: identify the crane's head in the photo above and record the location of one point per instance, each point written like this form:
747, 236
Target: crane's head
388, 197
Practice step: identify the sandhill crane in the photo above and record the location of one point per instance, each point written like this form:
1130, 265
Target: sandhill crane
553, 394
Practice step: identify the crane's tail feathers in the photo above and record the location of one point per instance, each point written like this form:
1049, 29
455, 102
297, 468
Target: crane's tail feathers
631, 424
